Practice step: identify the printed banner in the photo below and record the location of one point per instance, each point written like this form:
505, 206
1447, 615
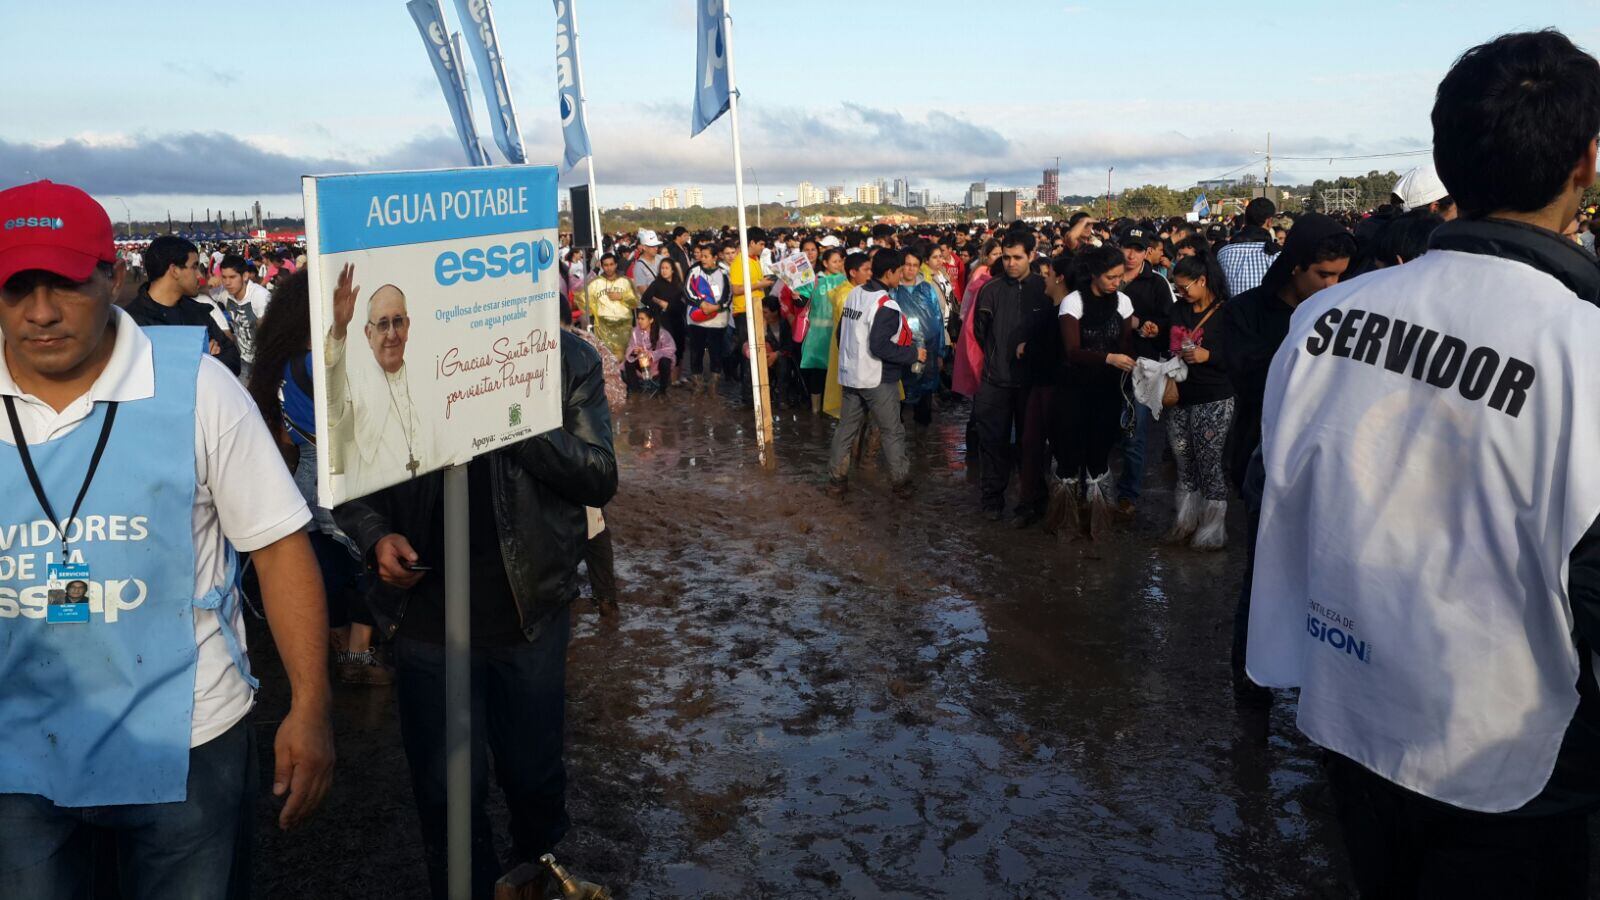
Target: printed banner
477, 23
447, 65
569, 85
796, 271
435, 305
711, 67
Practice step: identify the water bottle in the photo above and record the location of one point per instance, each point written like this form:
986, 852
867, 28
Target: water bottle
919, 365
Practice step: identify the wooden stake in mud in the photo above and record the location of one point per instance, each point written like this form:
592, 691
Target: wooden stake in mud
755, 319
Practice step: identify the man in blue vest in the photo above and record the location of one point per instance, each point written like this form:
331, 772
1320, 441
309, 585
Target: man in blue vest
127, 712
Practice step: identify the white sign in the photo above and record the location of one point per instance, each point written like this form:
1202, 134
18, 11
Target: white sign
434, 317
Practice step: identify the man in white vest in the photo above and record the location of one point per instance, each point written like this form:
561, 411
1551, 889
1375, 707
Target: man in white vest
875, 349
1428, 566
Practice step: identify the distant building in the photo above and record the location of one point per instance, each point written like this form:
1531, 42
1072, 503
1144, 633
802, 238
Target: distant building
836, 194
869, 193
1050, 188
669, 198
655, 203
977, 195
809, 195
693, 198
900, 194
629, 207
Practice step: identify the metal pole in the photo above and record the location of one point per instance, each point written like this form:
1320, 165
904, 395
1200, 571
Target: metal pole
458, 682
753, 177
756, 327
583, 115
127, 212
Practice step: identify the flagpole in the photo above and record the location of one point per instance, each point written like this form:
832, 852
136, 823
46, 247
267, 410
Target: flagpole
755, 324
583, 116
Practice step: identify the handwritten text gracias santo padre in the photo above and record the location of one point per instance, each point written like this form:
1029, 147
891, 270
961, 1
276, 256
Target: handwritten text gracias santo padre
504, 363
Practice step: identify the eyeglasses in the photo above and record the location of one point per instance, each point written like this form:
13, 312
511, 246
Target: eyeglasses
387, 324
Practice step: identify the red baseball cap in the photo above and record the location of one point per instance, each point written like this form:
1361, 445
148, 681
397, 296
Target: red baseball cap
54, 227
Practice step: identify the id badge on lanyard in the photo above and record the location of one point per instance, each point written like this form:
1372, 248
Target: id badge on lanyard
67, 584
67, 593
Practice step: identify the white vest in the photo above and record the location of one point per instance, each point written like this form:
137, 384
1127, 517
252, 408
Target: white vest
858, 368
1431, 436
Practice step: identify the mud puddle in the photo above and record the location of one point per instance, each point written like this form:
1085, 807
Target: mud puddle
872, 698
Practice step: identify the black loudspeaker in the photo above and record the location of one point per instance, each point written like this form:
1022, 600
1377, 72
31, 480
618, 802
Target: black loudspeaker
1002, 207
582, 221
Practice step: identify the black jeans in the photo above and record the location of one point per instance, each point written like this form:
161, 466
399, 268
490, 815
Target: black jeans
703, 342
518, 710
600, 558
1241, 610
999, 412
1088, 423
734, 363
658, 384
1403, 844
342, 576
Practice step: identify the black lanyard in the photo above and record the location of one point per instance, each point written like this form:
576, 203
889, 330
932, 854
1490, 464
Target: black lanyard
33, 474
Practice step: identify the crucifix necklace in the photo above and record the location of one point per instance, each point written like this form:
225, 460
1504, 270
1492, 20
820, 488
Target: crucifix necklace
405, 425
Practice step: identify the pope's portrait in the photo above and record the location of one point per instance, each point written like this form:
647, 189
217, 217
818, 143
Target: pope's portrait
381, 435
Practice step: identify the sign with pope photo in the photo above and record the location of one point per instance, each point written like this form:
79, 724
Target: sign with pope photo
435, 319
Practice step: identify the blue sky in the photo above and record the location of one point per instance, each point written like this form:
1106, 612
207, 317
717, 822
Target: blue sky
171, 105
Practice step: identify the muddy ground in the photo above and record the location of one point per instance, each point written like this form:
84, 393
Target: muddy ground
872, 699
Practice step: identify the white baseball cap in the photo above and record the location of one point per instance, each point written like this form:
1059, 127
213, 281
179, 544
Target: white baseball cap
1420, 187
829, 241
648, 238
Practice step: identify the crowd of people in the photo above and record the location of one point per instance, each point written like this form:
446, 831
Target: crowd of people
1069, 338
1399, 398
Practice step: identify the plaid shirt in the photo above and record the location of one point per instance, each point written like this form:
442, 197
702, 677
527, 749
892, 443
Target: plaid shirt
1244, 265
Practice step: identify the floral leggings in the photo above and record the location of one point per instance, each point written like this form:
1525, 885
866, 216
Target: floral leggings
1196, 434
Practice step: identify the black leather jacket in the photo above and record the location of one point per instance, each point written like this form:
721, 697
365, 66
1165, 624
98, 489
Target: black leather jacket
540, 487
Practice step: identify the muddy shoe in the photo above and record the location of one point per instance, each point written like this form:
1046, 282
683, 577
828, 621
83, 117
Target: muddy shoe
1027, 517
363, 668
609, 616
1126, 508
905, 490
837, 487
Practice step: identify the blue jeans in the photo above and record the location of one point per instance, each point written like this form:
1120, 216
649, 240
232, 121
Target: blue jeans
518, 707
197, 849
1132, 477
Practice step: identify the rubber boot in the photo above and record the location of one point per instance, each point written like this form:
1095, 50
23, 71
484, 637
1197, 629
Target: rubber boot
1190, 504
1213, 532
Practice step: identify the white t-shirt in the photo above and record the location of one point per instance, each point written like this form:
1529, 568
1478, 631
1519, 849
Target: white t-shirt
243, 492
1072, 305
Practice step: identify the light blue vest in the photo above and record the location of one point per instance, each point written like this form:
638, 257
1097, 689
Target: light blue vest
99, 714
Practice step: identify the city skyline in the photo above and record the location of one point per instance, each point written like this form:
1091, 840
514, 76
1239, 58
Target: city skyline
376, 104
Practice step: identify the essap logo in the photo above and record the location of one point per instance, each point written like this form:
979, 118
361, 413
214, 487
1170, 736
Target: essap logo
520, 258
51, 222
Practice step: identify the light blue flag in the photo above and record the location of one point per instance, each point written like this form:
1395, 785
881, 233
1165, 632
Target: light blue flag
477, 24
569, 86
1202, 207
447, 65
711, 67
